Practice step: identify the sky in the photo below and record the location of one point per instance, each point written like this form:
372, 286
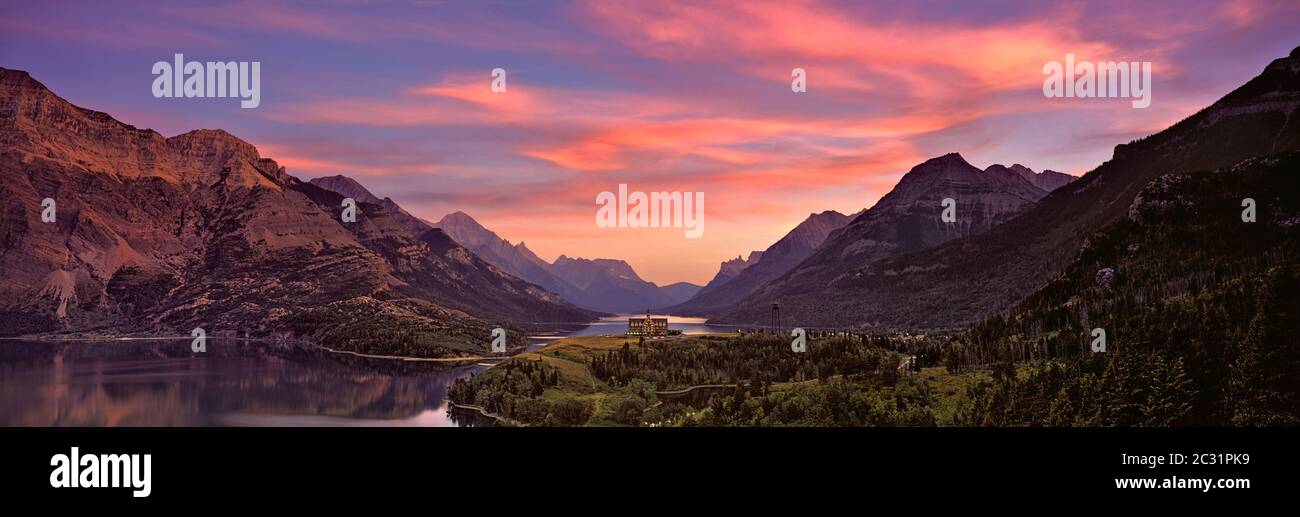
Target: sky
661, 96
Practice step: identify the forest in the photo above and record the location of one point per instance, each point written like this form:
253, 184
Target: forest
1200, 306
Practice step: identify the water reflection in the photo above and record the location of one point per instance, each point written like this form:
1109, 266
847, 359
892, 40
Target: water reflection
161, 383
236, 383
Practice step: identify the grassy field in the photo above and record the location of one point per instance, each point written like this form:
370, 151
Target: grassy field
948, 390
569, 377
570, 357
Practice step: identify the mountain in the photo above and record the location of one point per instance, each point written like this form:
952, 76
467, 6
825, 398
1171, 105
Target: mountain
514, 258
600, 291
1197, 305
729, 269
162, 235
611, 285
1047, 180
969, 279
679, 291
603, 285
349, 187
763, 266
904, 220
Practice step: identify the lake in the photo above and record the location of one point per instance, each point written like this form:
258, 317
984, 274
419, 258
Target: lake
236, 383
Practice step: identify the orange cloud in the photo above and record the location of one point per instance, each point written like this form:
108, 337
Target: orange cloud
807, 34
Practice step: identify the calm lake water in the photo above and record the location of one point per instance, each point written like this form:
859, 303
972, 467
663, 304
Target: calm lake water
236, 383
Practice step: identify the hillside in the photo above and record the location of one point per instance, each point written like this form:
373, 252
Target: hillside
965, 280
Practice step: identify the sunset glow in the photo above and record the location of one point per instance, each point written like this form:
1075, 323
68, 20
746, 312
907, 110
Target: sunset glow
660, 96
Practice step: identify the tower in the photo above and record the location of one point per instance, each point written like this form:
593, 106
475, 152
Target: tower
776, 318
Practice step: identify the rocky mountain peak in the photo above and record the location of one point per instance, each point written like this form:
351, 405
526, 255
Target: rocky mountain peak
347, 187
1047, 180
36, 122
467, 231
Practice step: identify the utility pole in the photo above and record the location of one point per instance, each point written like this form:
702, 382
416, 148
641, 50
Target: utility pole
776, 318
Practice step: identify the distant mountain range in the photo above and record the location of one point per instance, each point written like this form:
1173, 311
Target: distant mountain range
611, 285
163, 235
604, 285
736, 279
920, 273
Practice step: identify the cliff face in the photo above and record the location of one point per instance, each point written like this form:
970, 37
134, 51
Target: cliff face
198, 230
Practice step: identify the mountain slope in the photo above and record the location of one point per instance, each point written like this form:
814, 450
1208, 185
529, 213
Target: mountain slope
729, 269
515, 258
349, 187
1198, 307
604, 285
159, 234
786, 253
1047, 180
612, 285
963, 281
907, 219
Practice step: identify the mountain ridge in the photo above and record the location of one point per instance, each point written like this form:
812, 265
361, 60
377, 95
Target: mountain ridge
906, 219
778, 258
161, 235
961, 282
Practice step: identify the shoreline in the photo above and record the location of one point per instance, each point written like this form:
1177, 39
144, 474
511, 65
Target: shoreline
321, 347
486, 413
410, 358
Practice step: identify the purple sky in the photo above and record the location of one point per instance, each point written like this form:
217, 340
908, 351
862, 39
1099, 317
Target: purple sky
659, 95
